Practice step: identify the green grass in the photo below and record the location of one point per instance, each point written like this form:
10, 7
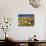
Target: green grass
31, 20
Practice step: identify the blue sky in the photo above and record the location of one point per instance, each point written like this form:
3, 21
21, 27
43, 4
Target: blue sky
25, 15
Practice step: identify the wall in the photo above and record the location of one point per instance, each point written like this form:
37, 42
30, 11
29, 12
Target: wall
11, 8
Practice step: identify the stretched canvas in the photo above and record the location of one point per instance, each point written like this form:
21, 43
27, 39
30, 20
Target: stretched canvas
26, 20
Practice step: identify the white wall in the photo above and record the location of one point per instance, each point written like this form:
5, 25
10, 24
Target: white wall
12, 8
